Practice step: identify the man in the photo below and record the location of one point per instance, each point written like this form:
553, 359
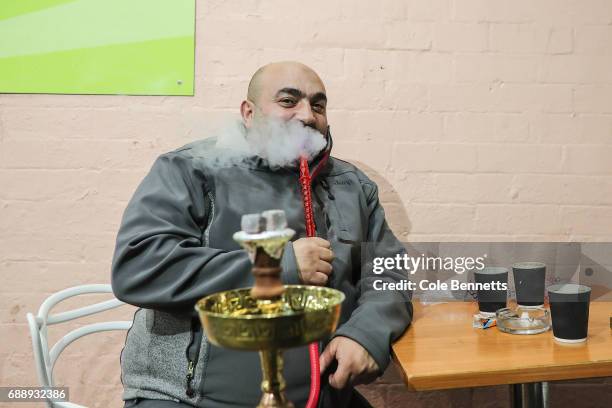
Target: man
175, 246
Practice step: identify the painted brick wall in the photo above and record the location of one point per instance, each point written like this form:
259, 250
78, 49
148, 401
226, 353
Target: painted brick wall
481, 119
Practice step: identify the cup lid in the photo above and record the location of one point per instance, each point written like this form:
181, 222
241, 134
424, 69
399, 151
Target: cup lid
492, 270
568, 288
528, 265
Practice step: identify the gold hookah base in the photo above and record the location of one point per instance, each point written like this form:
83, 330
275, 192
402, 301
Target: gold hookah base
301, 315
270, 400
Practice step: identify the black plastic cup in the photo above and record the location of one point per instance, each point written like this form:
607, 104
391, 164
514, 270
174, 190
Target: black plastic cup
529, 278
569, 308
495, 298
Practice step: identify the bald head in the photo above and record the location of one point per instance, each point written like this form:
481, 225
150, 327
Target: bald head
262, 76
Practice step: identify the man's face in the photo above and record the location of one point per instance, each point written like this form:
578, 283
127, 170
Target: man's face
290, 92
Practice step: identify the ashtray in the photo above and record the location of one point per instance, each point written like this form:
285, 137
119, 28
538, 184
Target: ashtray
523, 320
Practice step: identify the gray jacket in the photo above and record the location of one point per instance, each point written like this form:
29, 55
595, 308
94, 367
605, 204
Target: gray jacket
175, 246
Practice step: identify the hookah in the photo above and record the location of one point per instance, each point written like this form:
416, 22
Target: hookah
270, 316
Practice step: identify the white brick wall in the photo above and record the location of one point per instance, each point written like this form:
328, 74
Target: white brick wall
481, 120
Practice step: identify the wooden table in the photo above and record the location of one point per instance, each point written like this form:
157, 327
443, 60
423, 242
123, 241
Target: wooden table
441, 350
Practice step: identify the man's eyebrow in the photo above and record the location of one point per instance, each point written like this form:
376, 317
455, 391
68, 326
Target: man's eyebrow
319, 96
291, 91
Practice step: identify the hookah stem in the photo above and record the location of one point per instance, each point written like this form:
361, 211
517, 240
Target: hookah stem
313, 348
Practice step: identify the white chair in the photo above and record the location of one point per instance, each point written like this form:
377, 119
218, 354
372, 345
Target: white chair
45, 358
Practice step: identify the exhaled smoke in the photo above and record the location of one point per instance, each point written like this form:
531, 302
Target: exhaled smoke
278, 142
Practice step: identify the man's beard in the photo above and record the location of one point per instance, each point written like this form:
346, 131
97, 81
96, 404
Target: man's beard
282, 143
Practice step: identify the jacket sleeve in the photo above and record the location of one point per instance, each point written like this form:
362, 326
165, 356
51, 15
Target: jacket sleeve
160, 260
381, 316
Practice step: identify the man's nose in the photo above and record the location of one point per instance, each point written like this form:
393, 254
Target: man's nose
304, 114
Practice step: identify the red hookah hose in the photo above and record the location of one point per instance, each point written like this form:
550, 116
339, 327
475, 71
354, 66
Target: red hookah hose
305, 181
313, 348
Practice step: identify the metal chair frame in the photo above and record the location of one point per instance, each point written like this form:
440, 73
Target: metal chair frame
45, 358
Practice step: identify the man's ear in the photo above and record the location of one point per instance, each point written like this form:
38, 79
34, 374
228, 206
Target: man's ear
247, 110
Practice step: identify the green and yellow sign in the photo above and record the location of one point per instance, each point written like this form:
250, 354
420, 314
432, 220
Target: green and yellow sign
135, 47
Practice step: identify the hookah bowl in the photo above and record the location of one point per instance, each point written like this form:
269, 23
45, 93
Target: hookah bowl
270, 316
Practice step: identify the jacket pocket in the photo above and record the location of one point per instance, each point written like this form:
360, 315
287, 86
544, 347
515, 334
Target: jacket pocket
153, 360
345, 229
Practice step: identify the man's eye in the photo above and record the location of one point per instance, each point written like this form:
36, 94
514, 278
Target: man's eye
319, 107
287, 101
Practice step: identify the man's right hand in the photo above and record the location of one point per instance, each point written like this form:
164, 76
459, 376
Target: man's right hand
314, 258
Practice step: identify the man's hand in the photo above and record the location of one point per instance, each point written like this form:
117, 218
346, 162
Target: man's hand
314, 260
355, 365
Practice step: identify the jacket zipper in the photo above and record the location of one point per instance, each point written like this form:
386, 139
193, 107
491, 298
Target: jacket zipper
189, 389
195, 342
192, 352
